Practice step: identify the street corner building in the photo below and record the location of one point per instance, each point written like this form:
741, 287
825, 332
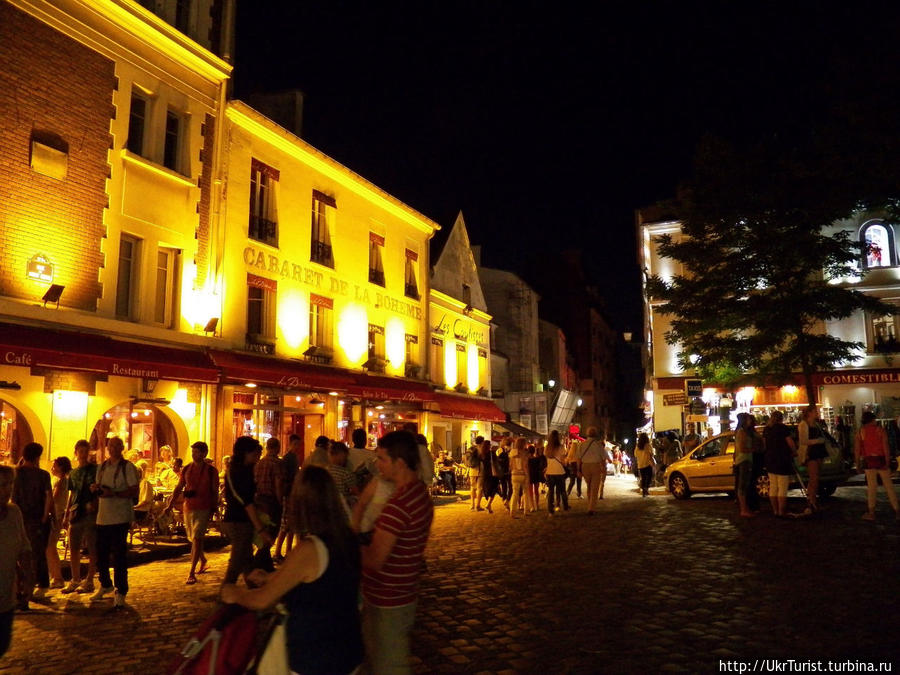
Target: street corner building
177, 266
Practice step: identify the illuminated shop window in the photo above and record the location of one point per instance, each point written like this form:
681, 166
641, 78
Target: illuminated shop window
376, 264
263, 223
127, 277
437, 361
166, 287
137, 123
411, 285
172, 144
323, 211
877, 240
261, 301
883, 333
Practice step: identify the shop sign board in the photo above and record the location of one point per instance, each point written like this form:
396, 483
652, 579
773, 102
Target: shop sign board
696, 418
693, 387
675, 399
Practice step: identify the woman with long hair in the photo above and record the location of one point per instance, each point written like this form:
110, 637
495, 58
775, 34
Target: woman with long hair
643, 455
488, 481
812, 451
518, 469
873, 455
556, 472
241, 521
537, 463
318, 581
60, 470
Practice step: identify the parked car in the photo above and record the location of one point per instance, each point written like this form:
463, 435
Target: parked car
708, 468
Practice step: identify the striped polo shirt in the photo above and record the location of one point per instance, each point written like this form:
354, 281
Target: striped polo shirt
407, 515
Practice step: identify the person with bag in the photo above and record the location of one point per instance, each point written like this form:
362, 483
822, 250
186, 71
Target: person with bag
643, 455
873, 455
518, 466
242, 522
811, 440
81, 519
473, 462
318, 583
592, 458
199, 483
556, 473
116, 487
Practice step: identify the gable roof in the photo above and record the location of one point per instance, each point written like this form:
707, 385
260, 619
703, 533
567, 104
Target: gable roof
456, 266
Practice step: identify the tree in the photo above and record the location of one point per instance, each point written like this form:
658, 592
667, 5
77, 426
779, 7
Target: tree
755, 291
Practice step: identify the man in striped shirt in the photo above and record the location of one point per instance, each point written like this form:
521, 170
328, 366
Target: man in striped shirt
394, 560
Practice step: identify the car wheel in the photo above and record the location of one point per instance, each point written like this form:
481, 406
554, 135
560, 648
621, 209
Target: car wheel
762, 485
678, 486
827, 490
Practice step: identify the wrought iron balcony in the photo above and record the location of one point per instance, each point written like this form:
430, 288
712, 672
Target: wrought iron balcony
261, 344
376, 276
321, 253
263, 230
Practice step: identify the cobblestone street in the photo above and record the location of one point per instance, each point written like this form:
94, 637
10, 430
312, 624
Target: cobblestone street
646, 585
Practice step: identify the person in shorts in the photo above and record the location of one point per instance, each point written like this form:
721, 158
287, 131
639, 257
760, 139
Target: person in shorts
81, 519
779, 458
743, 461
199, 483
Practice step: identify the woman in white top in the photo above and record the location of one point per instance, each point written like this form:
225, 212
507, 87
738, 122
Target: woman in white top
518, 469
556, 472
60, 470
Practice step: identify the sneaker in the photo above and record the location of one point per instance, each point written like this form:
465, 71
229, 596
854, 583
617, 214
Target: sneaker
70, 587
86, 587
119, 601
102, 592
57, 583
39, 594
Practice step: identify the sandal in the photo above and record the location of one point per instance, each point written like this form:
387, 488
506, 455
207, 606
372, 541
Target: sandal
204, 567
191, 580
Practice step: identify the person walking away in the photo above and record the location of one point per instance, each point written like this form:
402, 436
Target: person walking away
81, 519
575, 475
116, 487
60, 470
518, 469
361, 461
592, 465
500, 468
241, 522
15, 551
473, 462
537, 467
743, 461
643, 455
32, 494
199, 484
779, 461
488, 481
873, 455
343, 477
290, 465
556, 472
394, 561
318, 581
812, 451
268, 498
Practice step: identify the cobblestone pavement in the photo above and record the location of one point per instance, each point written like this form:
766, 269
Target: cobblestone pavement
646, 585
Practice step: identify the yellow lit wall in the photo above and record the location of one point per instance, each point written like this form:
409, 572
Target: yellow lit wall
454, 323
361, 208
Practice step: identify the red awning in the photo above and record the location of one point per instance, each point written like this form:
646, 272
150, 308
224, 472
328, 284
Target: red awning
283, 373
469, 408
41, 347
375, 388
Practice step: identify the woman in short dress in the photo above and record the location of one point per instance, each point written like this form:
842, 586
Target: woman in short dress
873, 455
812, 451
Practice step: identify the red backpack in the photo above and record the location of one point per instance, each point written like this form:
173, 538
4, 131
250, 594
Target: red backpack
225, 644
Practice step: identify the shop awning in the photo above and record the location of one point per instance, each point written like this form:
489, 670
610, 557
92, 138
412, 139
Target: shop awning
238, 368
519, 430
41, 347
376, 388
469, 408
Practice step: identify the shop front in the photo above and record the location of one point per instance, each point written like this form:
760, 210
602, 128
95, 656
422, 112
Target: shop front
385, 404
457, 420
57, 387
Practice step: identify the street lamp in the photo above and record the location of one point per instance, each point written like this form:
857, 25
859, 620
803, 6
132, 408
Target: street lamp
552, 383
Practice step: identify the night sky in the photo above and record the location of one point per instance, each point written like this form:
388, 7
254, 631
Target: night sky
547, 127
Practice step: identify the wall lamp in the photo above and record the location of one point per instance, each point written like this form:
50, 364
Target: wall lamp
10, 385
53, 294
210, 326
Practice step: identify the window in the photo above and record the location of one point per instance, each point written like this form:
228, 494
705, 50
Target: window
137, 123
261, 297
437, 361
126, 283
172, 146
321, 328
883, 334
461, 366
164, 302
376, 265
263, 226
411, 357
411, 285
183, 15
877, 241
376, 360
323, 208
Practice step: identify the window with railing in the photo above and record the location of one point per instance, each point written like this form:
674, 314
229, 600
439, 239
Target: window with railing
883, 334
376, 263
411, 357
323, 212
411, 286
263, 225
437, 361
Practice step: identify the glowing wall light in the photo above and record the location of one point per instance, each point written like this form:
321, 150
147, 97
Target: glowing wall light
180, 404
395, 343
293, 318
450, 363
70, 405
353, 334
472, 367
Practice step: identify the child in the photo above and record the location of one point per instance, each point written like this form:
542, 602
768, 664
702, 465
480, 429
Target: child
14, 549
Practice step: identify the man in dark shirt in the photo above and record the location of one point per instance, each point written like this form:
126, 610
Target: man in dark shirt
31, 493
